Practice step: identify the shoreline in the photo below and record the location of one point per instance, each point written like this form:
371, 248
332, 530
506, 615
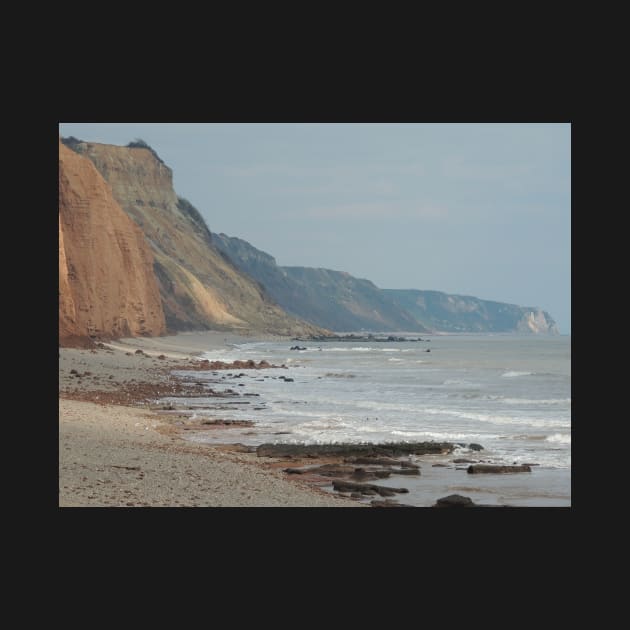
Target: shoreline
119, 447
115, 451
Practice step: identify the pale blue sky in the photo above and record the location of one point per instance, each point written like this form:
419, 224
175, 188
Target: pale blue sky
475, 209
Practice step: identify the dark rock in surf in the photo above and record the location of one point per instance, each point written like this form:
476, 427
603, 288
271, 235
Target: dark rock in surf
388, 449
475, 447
381, 461
241, 448
454, 500
296, 471
405, 471
476, 469
361, 474
365, 488
388, 503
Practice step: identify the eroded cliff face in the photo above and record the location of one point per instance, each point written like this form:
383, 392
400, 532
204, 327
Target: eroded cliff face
538, 322
464, 313
107, 287
200, 287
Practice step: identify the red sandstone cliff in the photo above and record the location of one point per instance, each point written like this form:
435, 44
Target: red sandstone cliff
199, 287
107, 287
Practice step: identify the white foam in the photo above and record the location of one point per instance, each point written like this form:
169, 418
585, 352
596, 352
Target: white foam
513, 373
460, 381
445, 437
496, 419
534, 401
324, 423
561, 438
353, 349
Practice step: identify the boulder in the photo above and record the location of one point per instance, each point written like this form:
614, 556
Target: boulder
405, 471
361, 474
454, 500
475, 447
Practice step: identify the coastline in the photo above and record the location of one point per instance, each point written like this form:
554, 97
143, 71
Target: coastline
118, 447
126, 455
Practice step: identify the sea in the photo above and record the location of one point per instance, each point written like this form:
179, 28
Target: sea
509, 393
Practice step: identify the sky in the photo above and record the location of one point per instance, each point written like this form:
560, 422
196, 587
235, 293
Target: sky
475, 209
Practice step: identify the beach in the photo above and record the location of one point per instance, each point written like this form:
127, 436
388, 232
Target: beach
178, 421
117, 455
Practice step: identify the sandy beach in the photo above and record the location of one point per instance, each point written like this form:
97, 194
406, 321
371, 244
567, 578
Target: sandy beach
128, 456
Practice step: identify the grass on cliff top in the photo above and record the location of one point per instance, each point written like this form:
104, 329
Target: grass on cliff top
139, 143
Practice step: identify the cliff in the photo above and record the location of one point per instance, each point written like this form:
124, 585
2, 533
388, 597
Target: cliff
107, 287
200, 288
341, 302
332, 299
462, 313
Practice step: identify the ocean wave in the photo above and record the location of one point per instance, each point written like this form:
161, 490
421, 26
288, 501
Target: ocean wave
340, 375
561, 438
393, 360
323, 423
353, 349
383, 406
535, 401
514, 373
460, 381
445, 437
466, 395
495, 419
524, 436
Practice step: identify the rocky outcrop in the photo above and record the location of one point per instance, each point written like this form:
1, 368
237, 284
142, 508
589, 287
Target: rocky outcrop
106, 283
477, 469
390, 449
366, 488
537, 321
200, 287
